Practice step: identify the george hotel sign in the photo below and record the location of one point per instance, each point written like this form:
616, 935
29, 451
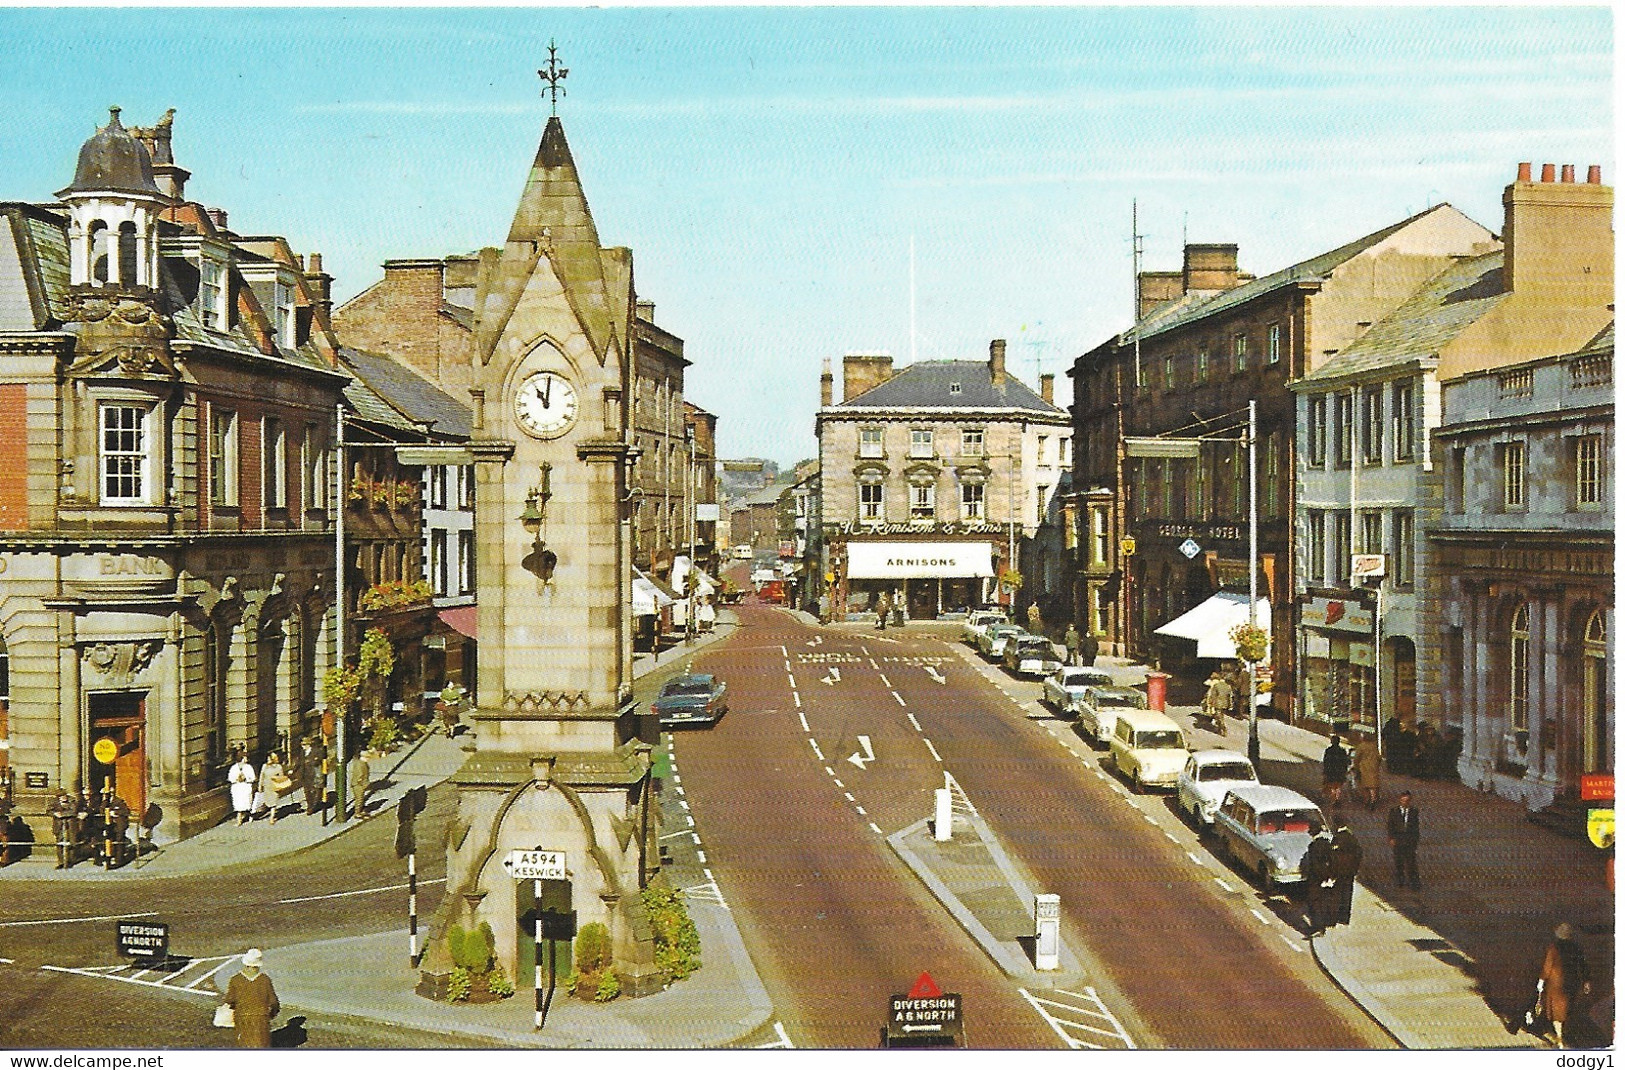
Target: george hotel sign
918, 560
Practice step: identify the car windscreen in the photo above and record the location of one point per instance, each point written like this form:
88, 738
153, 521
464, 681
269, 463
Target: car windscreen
1295, 820
1159, 739
1127, 700
1227, 771
1033, 646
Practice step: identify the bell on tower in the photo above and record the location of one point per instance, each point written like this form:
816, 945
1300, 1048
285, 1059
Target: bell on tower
113, 205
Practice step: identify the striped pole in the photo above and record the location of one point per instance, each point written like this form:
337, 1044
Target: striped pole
541, 1010
412, 902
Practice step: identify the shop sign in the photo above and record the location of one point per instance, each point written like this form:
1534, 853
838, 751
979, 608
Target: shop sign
1362, 654
1600, 827
1337, 614
950, 527
1595, 787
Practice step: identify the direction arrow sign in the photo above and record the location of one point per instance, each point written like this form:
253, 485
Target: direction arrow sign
536, 865
834, 676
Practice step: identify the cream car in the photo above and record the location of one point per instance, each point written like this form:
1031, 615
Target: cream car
1148, 748
1098, 708
1207, 778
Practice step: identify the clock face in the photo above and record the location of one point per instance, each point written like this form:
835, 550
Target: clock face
545, 405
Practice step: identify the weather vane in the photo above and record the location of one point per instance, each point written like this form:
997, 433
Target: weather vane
553, 75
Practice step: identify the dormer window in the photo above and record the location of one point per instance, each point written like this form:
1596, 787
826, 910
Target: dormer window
283, 300
953, 388
211, 293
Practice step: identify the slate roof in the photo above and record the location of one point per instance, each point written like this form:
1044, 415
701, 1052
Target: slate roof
930, 384
368, 403
411, 394
1315, 268
1424, 323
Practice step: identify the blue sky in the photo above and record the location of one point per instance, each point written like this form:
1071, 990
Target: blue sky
769, 166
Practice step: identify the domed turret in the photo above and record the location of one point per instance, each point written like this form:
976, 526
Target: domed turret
113, 160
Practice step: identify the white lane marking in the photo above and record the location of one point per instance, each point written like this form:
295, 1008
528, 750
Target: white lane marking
700, 854
849, 797
833, 678
899, 699
805, 727
885, 681
695, 836
797, 696
7, 962
872, 664
1171, 837
1149, 820
1192, 855
828, 770
358, 891
816, 751
1223, 885
225, 960
683, 803
1262, 920
792, 681
1091, 1007
876, 828
684, 832
935, 675
862, 811
933, 751
782, 1042
838, 782
1289, 941
129, 980
915, 722
708, 874
70, 921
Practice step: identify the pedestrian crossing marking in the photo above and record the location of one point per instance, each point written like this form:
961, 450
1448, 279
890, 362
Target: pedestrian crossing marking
135, 974
1081, 1013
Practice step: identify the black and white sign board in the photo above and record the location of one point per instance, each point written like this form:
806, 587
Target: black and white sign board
143, 939
536, 865
925, 1016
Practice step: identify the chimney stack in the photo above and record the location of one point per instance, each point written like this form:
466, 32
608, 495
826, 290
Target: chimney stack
1594, 175
1524, 172
826, 386
217, 216
646, 310
1568, 172
1210, 267
321, 285
1548, 172
1558, 237
862, 372
1046, 387
995, 363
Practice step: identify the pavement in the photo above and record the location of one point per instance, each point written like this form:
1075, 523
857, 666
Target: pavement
1436, 969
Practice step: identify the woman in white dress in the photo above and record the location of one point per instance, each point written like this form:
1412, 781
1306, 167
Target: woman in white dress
241, 778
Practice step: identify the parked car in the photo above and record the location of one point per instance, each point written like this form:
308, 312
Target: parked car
1148, 748
991, 644
1265, 829
1030, 655
976, 622
1063, 688
1099, 707
1207, 778
693, 698
743, 553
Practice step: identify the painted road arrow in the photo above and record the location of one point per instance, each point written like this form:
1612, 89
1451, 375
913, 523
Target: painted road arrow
834, 676
863, 757
935, 675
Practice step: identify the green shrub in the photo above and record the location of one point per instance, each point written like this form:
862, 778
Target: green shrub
592, 950
609, 986
677, 941
385, 731
497, 982
459, 985
471, 949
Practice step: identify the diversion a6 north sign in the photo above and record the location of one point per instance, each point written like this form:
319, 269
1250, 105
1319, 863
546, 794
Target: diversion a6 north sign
925, 1016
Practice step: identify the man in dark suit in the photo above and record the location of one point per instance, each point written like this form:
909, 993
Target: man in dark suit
1404, 833
313, 774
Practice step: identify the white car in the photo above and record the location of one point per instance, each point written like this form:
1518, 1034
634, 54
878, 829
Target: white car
1264, 830
1030, 655
992, 641
1097, 710
1063, 688
976, 623
1207, 778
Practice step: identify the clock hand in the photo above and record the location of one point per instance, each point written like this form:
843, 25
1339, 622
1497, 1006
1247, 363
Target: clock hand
547, 393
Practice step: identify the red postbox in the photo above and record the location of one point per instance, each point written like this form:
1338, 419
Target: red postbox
1156, 690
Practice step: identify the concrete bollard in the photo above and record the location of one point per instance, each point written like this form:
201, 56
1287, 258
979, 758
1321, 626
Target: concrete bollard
944, 830
1047, 924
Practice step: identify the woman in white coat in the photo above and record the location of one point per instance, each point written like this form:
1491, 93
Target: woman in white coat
241, 778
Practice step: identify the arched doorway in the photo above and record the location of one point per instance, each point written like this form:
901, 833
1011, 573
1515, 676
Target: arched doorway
1401, 684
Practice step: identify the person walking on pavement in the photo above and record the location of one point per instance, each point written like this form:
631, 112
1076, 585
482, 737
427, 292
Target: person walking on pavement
253, 1002
241, 778
65, 827
1564, 979
884, 607
313, 774
1072, 642
1346, 856
1216, 703
1319, 895
1404, 834
1334, 770
273, 782
1368, 768
360, 782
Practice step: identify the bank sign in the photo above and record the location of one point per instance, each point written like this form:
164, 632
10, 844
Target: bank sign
918, 560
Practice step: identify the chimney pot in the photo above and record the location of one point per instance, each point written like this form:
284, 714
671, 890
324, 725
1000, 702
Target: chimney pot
826, 386
995, 362
315, 263
1046, 387
1568, 172
1594, 175
1524, 170
1548, 172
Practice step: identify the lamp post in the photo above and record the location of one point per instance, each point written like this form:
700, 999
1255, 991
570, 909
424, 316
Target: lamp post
340, 716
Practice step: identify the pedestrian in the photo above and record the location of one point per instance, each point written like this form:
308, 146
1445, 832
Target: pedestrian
273, 782
360, 783
1346, 857
241, 778
65, 827
1089, 649
253, 1002
1216, 703
313, 774
1368, 768
89, 818
1072, 641
1035, 619
1404, 833
1564, 980
884, 606
1319, 893
1334, 770
115, 826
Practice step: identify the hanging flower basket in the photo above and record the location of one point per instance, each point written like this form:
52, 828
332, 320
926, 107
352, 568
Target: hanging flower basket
1252, 642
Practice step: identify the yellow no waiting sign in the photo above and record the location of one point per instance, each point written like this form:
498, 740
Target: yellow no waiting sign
105, 750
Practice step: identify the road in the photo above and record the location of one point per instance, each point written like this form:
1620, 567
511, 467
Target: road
1188, 955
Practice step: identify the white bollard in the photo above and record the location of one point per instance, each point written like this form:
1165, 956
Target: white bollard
1047, 924
945, 815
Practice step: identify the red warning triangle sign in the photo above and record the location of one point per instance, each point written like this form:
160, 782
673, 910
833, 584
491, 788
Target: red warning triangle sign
924, 988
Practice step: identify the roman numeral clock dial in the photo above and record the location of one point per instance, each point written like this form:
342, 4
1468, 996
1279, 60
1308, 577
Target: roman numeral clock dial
545, 405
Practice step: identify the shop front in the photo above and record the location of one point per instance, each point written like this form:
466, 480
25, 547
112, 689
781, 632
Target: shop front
1337, 644
927, 579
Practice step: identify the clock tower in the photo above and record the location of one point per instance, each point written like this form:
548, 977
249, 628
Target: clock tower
558, 762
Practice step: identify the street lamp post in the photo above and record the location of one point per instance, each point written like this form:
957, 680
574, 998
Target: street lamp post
340, 716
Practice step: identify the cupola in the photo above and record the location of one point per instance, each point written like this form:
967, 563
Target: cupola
113, 204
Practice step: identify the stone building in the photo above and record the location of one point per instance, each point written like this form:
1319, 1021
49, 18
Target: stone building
1520, 559
168, 398
1208, 340
932, 477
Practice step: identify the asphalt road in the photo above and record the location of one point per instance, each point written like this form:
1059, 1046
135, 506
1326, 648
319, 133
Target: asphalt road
1188, 955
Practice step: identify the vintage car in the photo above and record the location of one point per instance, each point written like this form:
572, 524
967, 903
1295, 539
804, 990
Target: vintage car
976, 622
1099, 707
1064, 687
1030, 655
991, 644
1148, 748
1264, 831
1207, 778
694, 698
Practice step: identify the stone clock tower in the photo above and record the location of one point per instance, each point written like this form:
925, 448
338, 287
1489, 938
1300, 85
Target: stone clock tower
558, 764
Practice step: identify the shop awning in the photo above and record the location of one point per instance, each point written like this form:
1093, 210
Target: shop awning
1209, 624
918, 560
462, 619
703, 585
648, 596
